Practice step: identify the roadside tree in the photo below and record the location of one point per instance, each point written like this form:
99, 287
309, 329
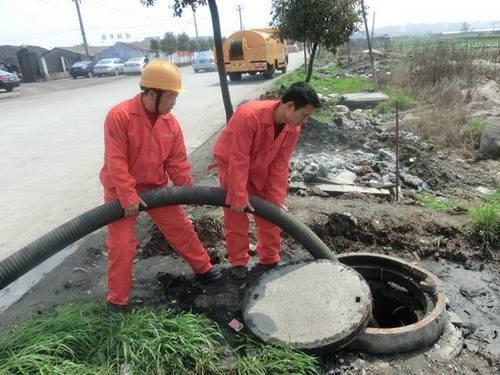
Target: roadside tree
326, 22
178, 7
169, 43
194, 45
183, 42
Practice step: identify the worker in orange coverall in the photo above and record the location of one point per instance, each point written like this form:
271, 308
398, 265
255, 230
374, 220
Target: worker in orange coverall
144, 149
252, 155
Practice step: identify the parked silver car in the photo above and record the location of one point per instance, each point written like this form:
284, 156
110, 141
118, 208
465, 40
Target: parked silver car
204, 61
135, 65
108, 67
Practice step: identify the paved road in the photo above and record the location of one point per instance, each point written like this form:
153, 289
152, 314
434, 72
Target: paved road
51, 144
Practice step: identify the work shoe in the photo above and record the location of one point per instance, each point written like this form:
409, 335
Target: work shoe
266, 267
239, 272
114, 309
212, 275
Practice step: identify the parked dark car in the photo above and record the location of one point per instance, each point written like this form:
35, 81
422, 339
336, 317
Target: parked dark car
81, 69
9, 80
11, 68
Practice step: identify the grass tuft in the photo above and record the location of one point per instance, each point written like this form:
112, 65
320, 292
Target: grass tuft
83, 339
485, 223
395, 96
258, 359
437, 203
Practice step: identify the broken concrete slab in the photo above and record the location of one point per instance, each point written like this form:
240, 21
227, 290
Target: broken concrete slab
363, 99
414, 181
341, 189
310, 305
297, 185
376, 52
490, 139
449, 345
343, 178
341, 109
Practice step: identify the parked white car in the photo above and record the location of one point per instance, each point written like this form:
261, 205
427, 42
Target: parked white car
108, 67
135, 65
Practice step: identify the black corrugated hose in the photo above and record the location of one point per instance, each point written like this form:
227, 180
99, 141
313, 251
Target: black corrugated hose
43, 248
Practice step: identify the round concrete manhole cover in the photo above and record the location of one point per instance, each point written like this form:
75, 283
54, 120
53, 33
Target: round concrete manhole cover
308, 305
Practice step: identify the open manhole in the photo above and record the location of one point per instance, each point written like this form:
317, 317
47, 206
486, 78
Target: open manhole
408, 304
318, 305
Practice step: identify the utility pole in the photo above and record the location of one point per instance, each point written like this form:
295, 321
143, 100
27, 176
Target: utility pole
195, 24
373, 26
369, 43
239, 8
77, 3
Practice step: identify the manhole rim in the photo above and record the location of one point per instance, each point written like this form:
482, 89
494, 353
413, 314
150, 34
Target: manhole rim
410, 337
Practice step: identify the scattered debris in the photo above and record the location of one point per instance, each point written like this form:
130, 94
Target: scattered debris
338, 189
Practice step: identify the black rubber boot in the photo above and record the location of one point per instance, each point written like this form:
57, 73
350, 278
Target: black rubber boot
239, 272
211, 276
266, 267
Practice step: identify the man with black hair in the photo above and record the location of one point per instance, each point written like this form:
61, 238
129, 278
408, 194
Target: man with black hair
252, 155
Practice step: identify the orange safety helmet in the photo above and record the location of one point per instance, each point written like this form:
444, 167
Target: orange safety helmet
162, 75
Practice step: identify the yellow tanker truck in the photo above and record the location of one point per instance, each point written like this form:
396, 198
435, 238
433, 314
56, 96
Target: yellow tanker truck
254, 51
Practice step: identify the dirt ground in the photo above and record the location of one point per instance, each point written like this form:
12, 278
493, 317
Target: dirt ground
347, 223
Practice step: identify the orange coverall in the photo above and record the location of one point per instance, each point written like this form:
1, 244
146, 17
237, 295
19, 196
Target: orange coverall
139, 156
251, 160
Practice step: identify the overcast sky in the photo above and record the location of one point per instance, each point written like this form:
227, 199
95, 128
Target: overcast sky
51, 23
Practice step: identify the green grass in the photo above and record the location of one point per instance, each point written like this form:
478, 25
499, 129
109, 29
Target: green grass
81, 338
474, 125
325, 84
257, 359
458, 41
322, 115
484, 217
395, 96
485, 222
437, 203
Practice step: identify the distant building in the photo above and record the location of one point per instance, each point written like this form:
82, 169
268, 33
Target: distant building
123, 51
57, 62
8, 53
93, 50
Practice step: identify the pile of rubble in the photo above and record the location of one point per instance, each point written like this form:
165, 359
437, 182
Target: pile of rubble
350, 154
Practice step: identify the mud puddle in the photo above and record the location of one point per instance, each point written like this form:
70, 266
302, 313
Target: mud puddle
474, 295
